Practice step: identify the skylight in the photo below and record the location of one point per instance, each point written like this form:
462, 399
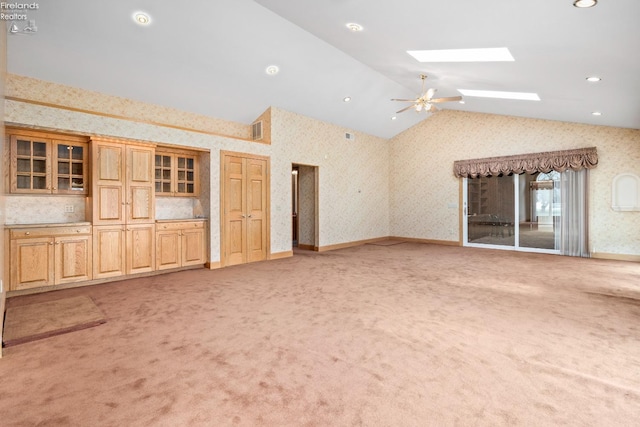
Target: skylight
497, 54
525, 96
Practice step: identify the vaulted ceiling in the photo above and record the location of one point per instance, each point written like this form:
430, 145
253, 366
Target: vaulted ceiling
209, 57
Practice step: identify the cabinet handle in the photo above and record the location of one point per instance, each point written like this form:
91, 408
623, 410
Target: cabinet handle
249, 215
244, 216
55, 188
27, 233
51, 243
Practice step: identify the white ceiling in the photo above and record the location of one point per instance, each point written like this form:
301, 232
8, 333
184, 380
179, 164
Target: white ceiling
209, 57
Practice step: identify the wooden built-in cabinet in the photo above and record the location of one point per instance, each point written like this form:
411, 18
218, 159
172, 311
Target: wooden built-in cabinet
123, 206
49, 255
122, 183
180, 244
119, 180
45, 163
123, 249
176, 173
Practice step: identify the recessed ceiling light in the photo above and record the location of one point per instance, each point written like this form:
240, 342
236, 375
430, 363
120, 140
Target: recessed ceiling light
141, 18
272, 70
461, 102
593, 79
524, 96
585, 3
354, 27
497, 54
346, 99
596, 113
394, 118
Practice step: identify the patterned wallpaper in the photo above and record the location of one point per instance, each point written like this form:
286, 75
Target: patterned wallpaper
52, 93
354, 175
353, 179
368, 187
48, 117
427, 188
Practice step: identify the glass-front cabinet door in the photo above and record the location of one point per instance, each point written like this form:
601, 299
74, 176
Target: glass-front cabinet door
70, 168
46, 164
31, 165
185, 177
163, 175
176, 174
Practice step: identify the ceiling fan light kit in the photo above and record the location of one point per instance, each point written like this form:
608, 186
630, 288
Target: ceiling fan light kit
426, 100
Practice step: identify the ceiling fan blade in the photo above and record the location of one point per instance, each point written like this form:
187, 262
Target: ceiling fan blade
430, 94
404, 109
404, 100
448, 99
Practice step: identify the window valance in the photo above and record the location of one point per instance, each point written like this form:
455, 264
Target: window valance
560, 161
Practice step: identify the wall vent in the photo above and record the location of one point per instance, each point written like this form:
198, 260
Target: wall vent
256, 131
349, 136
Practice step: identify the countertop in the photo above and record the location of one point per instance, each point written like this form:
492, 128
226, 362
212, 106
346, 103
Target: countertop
87, 223
181, 220
48, 225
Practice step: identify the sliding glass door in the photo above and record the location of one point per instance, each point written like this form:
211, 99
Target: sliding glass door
520, 212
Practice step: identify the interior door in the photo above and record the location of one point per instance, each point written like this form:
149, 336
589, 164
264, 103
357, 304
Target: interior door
256, 209
245, 209
234, 203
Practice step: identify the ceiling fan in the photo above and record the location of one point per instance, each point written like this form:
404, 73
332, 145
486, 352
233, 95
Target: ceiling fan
426, 100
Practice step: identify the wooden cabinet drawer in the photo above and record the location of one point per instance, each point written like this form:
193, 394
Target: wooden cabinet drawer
22, 233
179, 225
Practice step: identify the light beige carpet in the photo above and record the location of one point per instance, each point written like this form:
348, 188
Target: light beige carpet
405, 335
25, 323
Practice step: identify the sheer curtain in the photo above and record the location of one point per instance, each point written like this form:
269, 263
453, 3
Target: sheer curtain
574, 191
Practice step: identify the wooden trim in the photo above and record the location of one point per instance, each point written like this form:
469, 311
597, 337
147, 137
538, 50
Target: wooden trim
125, 141
48, 134
618, 257
280, 255
350, 244
245, 155
181, 149
213, 265
308, 247
428, 241
130, 119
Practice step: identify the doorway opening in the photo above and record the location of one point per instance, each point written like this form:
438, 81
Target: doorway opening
304, 207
